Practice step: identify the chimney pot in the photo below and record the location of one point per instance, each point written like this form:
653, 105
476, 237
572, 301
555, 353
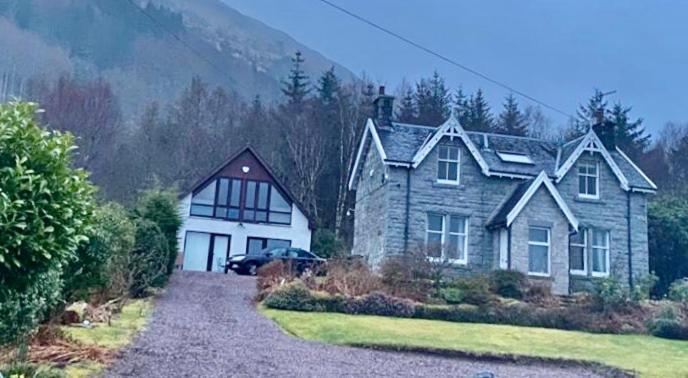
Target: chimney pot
382, 90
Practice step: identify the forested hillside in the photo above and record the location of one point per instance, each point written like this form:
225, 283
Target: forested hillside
147, 54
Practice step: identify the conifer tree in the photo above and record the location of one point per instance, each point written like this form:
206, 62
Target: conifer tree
630, 135
432, 101
511, 120
328, 86
297, 86
478, 115
407, 108
461, 106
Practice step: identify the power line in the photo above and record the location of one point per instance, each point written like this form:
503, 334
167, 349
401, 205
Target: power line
176, 37
444, 58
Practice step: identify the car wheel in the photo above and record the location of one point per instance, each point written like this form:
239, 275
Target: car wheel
252, 269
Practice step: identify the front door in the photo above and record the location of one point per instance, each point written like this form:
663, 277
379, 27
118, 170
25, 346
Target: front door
205, 252
503, 249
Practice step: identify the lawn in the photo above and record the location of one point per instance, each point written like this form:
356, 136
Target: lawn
647, 355
121, 332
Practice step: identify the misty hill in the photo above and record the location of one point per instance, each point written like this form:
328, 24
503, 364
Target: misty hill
137, 52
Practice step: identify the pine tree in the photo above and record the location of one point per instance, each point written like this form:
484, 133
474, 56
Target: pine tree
478, 115
591, 113
297, 86
630, 135
461, 106
328, 86
432, 101
407, 108
511, 120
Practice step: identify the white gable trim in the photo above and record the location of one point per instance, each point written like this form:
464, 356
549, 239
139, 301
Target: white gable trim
369, 128
592, 143
452, 129
539, 181
652, 184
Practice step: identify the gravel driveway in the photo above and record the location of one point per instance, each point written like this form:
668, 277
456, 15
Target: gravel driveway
206, 326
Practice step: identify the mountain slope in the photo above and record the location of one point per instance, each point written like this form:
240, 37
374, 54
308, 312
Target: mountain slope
147, 57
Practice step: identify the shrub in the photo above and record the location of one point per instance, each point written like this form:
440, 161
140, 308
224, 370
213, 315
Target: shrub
610, 293
46, 205
160, 206
21, 311
149, 258
327, 245
508, 283
678, 291
539, 292
407, 276
292, 296
452, 295
475, 290
272, 275
381, 304
25, 370
667, 324
102, 262
643, 286
350, 278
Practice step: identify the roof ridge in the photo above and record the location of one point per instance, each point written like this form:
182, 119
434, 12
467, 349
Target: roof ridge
510, 136
414, 125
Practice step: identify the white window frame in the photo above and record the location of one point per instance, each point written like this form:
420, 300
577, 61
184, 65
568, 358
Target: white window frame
606, 248
585, 254
448, 160
547, 244
587, 176
446, 219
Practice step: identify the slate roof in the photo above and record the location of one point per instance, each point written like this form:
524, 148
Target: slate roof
401, 141
499, 219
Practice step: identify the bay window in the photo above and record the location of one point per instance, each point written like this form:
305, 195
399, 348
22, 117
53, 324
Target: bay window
600, 253
539, 251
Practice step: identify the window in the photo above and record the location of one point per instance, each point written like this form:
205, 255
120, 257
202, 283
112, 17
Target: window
600, 253
538, 251
447, 243
588, 179
261, 202
514, 157
578, 252
448, 165
254, 246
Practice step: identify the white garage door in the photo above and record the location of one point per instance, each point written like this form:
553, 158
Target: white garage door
196, 250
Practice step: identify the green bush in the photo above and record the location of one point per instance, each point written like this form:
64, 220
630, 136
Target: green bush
45, 205
667, 324
381, 304
327, 245
452, 295
678, 291
25, 370
610, 293
21, 311
160, 206
292, 296
509, 283
475, 290
149, 258
102, 263
643, 287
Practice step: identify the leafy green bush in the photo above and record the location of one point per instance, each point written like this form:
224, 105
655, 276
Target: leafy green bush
643, 287
292, 296
452, 295
610, 292
508, 283
475, 289
667, 218
381, 304
45, 204
149, 258
667, 324
678, 291
25, 370
102, 263
160, 206
21, 311
327, 245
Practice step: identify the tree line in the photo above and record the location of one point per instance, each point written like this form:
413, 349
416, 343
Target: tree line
310, 136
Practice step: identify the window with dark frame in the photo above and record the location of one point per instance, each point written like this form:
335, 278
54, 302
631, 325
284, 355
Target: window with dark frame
261, 202
255, 245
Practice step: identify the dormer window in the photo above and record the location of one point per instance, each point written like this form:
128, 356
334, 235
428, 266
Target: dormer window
448, 165
588, 179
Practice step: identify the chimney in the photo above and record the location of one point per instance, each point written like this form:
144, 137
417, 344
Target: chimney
606, 131
383, 107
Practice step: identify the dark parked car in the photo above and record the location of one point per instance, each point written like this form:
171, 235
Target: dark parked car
300, 260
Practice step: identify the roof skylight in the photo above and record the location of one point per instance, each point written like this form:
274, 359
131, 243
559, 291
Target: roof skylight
514, 157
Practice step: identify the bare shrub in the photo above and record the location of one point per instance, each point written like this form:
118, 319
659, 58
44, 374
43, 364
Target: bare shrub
271, 276
408, 275
350, 278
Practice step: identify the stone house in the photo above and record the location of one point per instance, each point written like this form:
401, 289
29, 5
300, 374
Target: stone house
566, 213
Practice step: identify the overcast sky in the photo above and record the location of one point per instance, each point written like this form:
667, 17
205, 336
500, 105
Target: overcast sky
556, 51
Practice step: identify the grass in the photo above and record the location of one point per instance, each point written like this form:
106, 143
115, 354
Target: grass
121, 332
649, 356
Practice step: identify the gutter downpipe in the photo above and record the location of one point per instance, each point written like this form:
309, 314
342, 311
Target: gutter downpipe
408, 205
630, 249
